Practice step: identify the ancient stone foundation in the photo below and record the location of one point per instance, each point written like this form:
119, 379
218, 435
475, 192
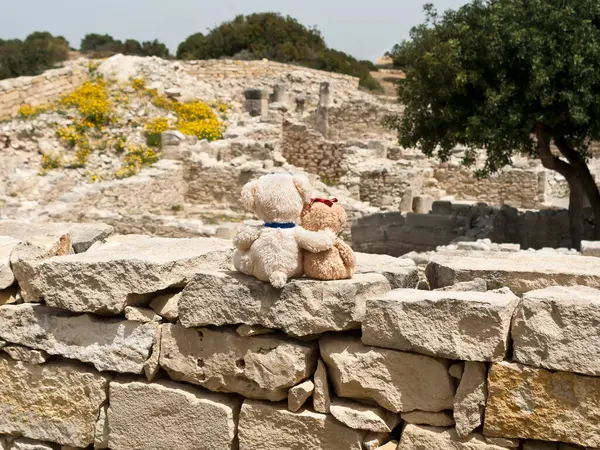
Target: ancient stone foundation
133, 342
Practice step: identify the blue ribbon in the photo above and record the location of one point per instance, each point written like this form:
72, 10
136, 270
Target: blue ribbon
279, 225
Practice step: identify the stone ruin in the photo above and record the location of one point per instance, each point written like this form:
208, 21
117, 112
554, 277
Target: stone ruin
123, 326
125, 342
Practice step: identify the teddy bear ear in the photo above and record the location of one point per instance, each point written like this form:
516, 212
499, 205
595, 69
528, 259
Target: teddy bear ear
304, 188
249, 194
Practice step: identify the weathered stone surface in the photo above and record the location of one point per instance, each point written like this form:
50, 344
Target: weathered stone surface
434, 419
590, 248
558, 328
400, 272
321, 394
7, 244
166, 306
253, 330
83, 235
303, 307
143, 315
469, 403
363, 417
114, 275
471, 326
272, 427
537, 404
20, 353
373, 441
456, 370
109, 344
503, 442
392, 445
397, 381
56, 402
419, 437
152, 364
299, 394
31, 444
101, 430
476, 285
164, 415
26, 257
520, 271
262, 367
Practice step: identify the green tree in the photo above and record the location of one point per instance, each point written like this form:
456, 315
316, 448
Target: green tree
38, 52
275, 37
101, 44
132, 47
155, 48
508, 76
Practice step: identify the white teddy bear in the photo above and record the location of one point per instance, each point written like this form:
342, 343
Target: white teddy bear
274, 252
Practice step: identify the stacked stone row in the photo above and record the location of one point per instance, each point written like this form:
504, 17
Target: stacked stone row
133, 342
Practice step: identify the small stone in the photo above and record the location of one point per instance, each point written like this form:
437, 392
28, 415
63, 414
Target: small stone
101, 430
30, 444
252, 330
20, 353
321, 394
400, 272
7, 245
419, 437
139, 413
373, 441
590, 248
362, 417
143, 315
471, 395
456, 370
434, 419
268, 426
166, 306
152, 364
397, 381
392, 445
262, 367
299, 394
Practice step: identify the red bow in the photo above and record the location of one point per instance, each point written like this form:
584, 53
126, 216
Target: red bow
323, 200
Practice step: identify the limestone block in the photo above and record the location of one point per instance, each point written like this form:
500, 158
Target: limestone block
303, 307
363, 417
400, 272
30, 444
83, 235
470, 326
469, 403
590, 248
397, 381
422, 204
392, 445
116, 274
434, 419
20, 353
525, 402
558, 328
519, 271
143, 315
109, 344
262, 367
26, 257
266, 426
7, 245
321, 394
164, 415
476, 285
166, 306
57, 402
419, 437
299, 394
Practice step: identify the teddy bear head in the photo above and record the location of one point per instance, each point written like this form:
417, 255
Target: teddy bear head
322, 213
277, 197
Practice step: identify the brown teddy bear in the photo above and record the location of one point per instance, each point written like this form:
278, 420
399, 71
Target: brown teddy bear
337, 263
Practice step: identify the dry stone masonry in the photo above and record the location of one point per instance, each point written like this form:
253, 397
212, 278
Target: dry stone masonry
129, 342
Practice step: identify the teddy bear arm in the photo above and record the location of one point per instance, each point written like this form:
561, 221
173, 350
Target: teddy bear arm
246, 237
346, 254
314, 241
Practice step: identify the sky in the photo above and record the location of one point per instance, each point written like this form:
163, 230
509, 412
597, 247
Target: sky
366, 29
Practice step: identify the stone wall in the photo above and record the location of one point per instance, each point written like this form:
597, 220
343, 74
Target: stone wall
396, 234
132, 342
40, 89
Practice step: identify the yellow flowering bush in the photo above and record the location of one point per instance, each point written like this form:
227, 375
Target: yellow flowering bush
68, 134
137, 157
188, 112
91, 101
154, 128
119, 143
50, 161
138, 84
27, 111
209, 129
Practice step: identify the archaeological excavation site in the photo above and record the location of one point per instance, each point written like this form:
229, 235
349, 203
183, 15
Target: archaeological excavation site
159, 221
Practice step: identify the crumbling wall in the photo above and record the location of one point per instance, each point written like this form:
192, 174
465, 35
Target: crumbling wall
130, 342
40, 89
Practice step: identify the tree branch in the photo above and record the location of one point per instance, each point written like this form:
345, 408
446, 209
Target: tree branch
549, 161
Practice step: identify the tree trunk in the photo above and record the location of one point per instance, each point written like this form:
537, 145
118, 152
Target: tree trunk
576, 197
